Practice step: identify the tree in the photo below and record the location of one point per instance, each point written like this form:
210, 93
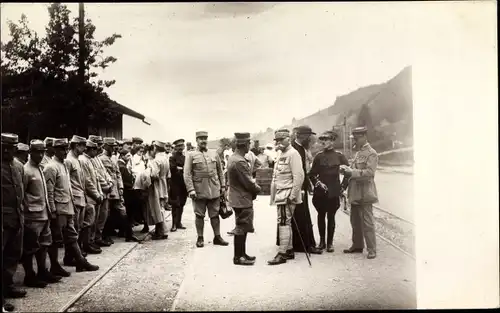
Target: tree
40, 85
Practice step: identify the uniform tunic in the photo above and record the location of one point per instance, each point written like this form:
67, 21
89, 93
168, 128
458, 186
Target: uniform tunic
164, 167
12, 219
325, 168
178, 192
92, 189
154, 212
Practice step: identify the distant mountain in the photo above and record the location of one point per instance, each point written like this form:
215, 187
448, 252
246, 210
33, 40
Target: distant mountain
388, 107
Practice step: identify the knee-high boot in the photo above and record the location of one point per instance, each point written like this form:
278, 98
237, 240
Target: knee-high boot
200, 225
321, 229
331, 232
82, 265
215, 221
55, 267
43, 273
30, 278
244, 247
85, 245
239, 251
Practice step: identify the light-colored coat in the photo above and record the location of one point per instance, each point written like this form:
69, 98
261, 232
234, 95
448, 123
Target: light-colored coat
59, 191
164, 167
36, 201
203, 174
362, 188
154, 211
77, 178
92, 187
114, 172
288, 177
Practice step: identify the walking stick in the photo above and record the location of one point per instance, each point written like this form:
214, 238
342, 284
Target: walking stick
300, 236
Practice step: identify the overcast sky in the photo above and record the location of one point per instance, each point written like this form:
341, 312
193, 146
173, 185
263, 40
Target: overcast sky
229, 67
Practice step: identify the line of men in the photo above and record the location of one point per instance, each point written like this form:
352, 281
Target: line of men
63, 193
289, 192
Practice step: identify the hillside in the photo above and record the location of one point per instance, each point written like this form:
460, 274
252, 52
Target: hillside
390, 109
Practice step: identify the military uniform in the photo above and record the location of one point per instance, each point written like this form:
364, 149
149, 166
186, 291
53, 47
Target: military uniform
22, 154
324, 174
178, 191
286, 193
242, 191
49, 141
37, 235
362, 194
203, 176
62, 207
12, 216
77, 182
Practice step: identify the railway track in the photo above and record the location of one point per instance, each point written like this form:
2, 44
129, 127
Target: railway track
395, 216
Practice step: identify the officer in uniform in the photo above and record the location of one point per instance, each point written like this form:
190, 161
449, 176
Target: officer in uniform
62, 206
362, 194
178, 192
22, 153
94, 195
242, 191
12, 217
49, 153
324, 174
37, 236
205, 184
286, 193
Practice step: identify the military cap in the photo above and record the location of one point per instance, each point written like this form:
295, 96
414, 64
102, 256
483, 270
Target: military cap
359, 131
179, 142
242, 137
91, 144
60, 142
201, 134
78, 139
127, 141
95, 138
304, 130
22, 147
119, 142
281, 134
110, 141
48, 141
9, 139
329, 135
37, 145
160, 144
137, 140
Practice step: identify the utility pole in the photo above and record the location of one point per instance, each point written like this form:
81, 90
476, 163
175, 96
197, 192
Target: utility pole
81, 66
344, 135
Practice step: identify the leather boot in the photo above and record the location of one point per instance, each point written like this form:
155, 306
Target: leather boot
82, 265
43, 273
55, 267
239, 251
219, 241
127, 230
30, 278
322, 244
85, 233
330, 233
278, 259
13, 292
174, 227
69, 258
199, 242
244, 247
353, 250
159, 232
102, 243
289, 255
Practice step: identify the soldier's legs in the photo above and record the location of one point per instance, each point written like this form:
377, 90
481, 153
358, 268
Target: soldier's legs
183, 198
12, 247
285, 213
124, 222
333, 207
213, 206
70, 236
369, 227
357, 226
200, 208
86, 231
93, 228
53, 250
101, 221
31, 246
45, 240
321, 204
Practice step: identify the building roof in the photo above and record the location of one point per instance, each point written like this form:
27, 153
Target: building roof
115, 106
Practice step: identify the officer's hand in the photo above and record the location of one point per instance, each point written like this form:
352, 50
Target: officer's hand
162, 202
192, 194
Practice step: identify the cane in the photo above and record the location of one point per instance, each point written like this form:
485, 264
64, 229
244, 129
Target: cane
300, 236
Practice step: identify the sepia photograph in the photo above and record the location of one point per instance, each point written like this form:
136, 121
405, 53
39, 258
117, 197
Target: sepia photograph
225, 156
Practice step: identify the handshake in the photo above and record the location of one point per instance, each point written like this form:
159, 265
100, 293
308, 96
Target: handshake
345, 170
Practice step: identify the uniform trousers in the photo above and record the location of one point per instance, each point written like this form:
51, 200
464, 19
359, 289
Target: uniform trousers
363, 226
178, 208
326, 207
285, 213
63, 231
89, 215
36, 235
12, 249
202, 205
101, 218
79, 217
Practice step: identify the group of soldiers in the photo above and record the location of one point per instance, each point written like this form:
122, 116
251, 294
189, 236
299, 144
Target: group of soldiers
75, 194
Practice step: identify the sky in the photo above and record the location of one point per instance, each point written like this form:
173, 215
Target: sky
236, 67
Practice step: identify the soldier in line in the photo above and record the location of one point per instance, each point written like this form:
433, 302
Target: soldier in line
362, 194
205, 184
62, 206
324, 174
178, 192
37, 236
164, 167
49, 153
105, 183
128, 184
22, 152
77, 147
12, 218
242, 191
94, 195
286, 193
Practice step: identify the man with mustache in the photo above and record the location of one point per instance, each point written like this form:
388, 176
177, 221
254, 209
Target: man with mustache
205, 184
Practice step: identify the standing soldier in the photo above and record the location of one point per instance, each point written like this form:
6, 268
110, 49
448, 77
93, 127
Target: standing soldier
242, 191
22, 153
205, 184
178, 192
136, 159
49, 153
95, 197
12, 218
62, 207
362, 194
324, 175
77, 147
128, 184
37, 236
288, 177
105, 183
161, 157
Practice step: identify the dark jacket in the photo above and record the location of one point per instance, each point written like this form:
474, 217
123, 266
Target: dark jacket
127, 177
242, 188
306, 185
12, 194
325, 168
